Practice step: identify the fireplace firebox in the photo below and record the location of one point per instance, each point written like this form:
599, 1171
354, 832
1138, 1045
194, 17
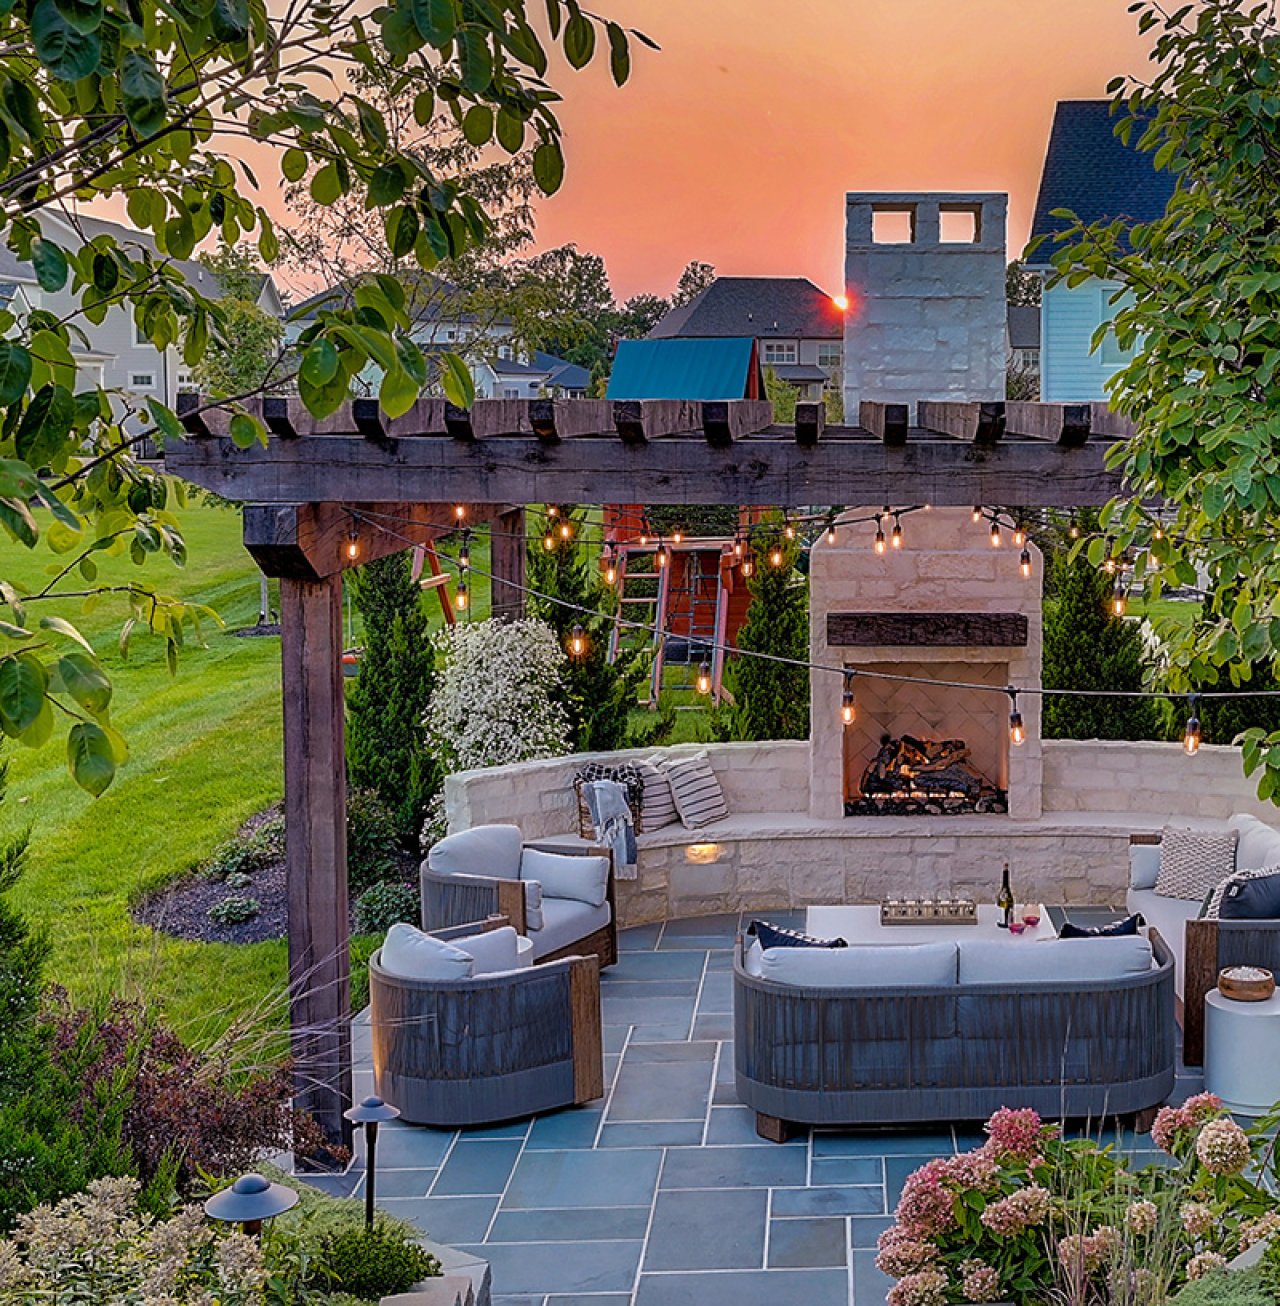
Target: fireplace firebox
924, 777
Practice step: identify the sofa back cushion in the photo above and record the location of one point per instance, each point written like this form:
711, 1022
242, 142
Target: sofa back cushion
408, 953
568, 875
492, 850
864, 966
1258, 844
1049, 961
491, 951
1192, 861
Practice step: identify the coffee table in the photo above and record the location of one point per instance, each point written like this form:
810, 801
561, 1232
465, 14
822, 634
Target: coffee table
861, 924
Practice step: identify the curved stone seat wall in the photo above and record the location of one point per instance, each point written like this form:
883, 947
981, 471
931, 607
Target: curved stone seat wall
770, 853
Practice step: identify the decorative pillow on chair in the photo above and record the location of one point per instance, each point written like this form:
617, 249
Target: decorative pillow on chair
657, 806
1251, 896
408, 953
1193, 861
565, 875
777, 936
699, 798
492, 850
1127, 926
491, 950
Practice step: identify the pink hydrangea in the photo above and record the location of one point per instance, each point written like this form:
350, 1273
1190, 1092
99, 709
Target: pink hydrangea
1105, 1241
1197, 1218
979, 1281
1223, 1147
1202, 1107
975, 1171
1205, 1263
924, 1288
1020, 1210
1088, 1252
926, 1206
900, 1254
1141, 1217
1174, 1123
1014, 1132
1254, 1231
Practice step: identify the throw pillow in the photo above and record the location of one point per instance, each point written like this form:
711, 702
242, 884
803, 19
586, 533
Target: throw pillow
408, 953
1127, 926
1211, 909
777, 936
533, 904
491, 950
564, 875
1144, 865
657, 806
699, 798
1193, 861
1255, 897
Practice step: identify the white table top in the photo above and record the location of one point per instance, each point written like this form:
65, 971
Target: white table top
1267, 1007
861, 924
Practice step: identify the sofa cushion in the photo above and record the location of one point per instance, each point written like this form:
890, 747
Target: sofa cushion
699, 798
491, 950
564, 875
1144, 865
657, 803
410, 954
864, 966
1049, 961
776, 936
1169, 917
565, 921
1259, 843
492, 850
1255, 897
1192, 861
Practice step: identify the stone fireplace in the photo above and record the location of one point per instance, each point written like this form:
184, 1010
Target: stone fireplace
947, 606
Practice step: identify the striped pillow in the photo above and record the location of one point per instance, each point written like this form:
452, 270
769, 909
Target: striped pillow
657, 806
699, 799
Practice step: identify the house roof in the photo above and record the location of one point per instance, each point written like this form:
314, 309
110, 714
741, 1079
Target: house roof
513, 367
1091, 171
798, 373
1024, 326
430, 299
684, 369
786, 307
561, 373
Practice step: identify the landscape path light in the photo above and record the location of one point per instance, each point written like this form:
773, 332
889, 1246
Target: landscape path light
249, 1201
370, 1112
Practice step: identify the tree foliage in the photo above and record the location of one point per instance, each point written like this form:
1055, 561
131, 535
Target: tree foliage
151, 103
695, 278
248, 356
1020, 286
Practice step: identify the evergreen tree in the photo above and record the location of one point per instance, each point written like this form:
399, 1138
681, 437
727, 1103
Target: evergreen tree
386, 746
771, 699
1086, 646
1223, 719
599, 695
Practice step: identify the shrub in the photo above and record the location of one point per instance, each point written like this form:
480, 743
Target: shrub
373, 840
238, 880
1221, 1288
248, 853
377, 1262
234, 910
384, 905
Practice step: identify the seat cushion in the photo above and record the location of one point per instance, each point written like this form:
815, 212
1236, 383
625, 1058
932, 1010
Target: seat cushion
492, 850
492, 951
1259, 843
864, 966
988, 961
1169, 917
1193, 861
408, 953
565, 921
567, 875
699, 798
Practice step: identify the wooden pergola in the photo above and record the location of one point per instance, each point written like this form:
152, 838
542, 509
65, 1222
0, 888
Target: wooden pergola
325, 495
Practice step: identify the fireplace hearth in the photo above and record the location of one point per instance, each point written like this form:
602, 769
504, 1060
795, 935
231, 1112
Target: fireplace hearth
910, 776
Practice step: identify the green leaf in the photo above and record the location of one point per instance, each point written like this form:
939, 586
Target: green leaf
319, 363
325, 399
84, 15
143, 92
247, 431
18, 520
619, 54
45, 425
436, 20
477, 124
294, 164
179, 236
1215, 500
510, 129
459, 388
548, 167
230, 19
397, 392
85, 681
10, 631
402, 230
326, 184
166, 419
50, 264
51, 361
17, 479
372, 126
387, 184
23, 683
60, 626
91, 757
68, 54
579, 40
424, 107
15, 373
475, 59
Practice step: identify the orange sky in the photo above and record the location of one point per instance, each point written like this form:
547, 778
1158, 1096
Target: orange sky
736, 143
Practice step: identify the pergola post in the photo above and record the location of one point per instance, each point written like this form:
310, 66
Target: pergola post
315, 798
507, 553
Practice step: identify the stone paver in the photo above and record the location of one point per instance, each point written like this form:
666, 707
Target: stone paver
661, 1194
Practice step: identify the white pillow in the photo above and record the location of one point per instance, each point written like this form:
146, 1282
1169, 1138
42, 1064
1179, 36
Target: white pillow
1259, 843
492, 850
585, 879
491, 950
699, 798
1144, 865
408, 953
863, 966
533, 904
1194, 861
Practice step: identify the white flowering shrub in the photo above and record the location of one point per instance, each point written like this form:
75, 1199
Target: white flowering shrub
496, 700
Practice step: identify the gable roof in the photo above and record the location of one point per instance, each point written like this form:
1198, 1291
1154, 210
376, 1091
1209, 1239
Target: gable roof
1024, 326
1091, 171
786, 307
685, 369
562, 373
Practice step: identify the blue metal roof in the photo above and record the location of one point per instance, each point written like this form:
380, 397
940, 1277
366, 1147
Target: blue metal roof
682, 369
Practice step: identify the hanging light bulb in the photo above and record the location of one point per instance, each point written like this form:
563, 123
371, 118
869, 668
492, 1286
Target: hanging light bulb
704, 678
737, 544
1191, 738
1119, 601
995, 534
776, 557
1019, 536
895, 536
748, 564
610, 567
1109, 566
878, 544
848, 705
831, 530
553, 511
566, 530
1024, 564
459, 513
1074, 531
461, 596
1017, 734
548, 541
644, 538
677, 536
977, 513
663, 555
353, 544
577, 642
464, 552
928, 507
789, 529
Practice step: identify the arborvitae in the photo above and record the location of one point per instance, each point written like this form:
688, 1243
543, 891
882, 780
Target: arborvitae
386, 745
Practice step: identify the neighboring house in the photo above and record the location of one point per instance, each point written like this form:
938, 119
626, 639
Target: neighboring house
799, 329
1091, 172
1024, 338
543, 374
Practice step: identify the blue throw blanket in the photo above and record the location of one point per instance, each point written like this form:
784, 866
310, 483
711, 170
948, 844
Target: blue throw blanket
611, 817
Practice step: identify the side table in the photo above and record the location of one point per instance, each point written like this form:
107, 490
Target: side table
1242, 1052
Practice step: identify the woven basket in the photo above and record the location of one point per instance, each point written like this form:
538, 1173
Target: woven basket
586, 827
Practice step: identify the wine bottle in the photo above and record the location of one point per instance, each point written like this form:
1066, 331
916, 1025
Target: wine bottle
1004, 899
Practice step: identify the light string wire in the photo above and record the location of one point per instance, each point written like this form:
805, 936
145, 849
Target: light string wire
730, 650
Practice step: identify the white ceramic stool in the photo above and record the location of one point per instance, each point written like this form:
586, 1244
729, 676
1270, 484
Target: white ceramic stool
1242, 1052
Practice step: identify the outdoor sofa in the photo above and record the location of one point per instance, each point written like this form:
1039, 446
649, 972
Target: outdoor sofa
953, 1031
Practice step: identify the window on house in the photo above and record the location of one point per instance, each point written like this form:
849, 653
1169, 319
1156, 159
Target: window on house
831, 360
139, 335
511, 392
505, 351
142, 380
779, 351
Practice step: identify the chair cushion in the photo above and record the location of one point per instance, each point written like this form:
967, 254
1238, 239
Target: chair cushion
408, 953
566, 875
1259, 843
657, 804
1193, 861
1144, 865
1252, 897
1168, 916
699, 798
565, 921
1048, 961
491, 950
866, 966
776, 936
492, 850
533, 904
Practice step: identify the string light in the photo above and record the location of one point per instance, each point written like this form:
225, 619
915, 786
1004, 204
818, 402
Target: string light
353, 544
1119, 601
1074, 531
831, 529
459, 513
977, 513
896, 537
677, 536
737, 544
1017, 734
789, 529
704, 678
776, 556
995, 534
464, 552
577, 642
1024, 564
644, 538
848, 705
548, 541
878, 544
660, 558
1019, 536
1191, 737
610, 568
748, 565
461, 597
553, 511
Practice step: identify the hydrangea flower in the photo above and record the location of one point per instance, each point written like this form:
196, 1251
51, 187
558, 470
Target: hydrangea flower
1019, 1211
979, 1281
925, 1207
925, 1288
899, 1254
1141, 1216
1014, 1132
1204, 1263
1223, 1147
1196, 1217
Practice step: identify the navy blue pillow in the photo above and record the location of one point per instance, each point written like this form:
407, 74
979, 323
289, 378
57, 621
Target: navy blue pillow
1251, 900
775, 936
1127, 926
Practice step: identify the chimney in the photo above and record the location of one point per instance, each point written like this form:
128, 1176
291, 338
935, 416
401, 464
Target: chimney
925, 280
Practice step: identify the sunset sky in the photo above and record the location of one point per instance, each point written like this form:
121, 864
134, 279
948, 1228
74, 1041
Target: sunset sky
736, 143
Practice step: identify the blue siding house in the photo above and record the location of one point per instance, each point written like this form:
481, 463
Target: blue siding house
1090, 171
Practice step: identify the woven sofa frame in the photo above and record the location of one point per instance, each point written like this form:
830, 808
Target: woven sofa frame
458, 1053
449, 900
845, 1056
